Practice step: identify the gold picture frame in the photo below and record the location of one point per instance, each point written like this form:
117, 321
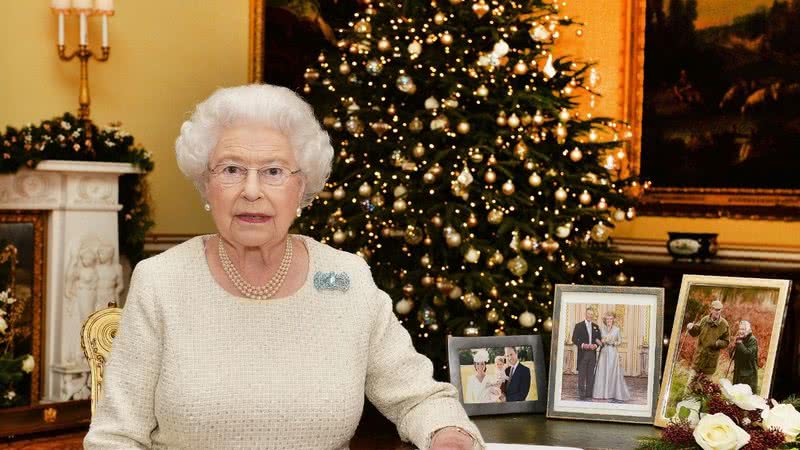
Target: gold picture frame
738, 296
255, 66
37, 221
738, 203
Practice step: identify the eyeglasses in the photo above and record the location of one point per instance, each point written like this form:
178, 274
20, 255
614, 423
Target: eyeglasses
230, 174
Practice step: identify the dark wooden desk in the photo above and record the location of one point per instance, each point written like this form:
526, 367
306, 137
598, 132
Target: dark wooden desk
375, 432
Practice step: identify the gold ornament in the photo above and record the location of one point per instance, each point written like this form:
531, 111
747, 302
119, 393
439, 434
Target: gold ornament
538, 118
550, 246
490, 176
427, 241
446, 38
431, 103
472, 255
339, 193
472, 220
618, 215
630, 214
480, 8
456, 2
416, 125
521, 150
520, 68
364, 190
462, 127
535, 180
384, 45
339, 236
600, 233
499, 332
413, 235
438, 300
563, 115
526, 244
344, 68
455, 292
501, 120
508, 188
518, 266
471, 331
526, 120
482, 91
571, 266
408, 290
391, 110
471, 301
493, 292
527, 319
399, 205
437, 221
495, 259
476, 157
425, 260
377, 199
495, 216
585, 198
513, 121
492, 161
380, 127
426, 281
354, 125
548, 325
418, 151
561, 195
362, 26
428, 178
439, 18
621, 278
575, 155
440, 122
492, 316
311, 74
453, 239
436, 169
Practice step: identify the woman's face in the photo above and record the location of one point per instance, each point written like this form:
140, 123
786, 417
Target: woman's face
480, 367
252, 213
609, 321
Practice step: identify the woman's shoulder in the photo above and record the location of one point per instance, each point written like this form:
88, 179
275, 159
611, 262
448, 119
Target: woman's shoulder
187, 253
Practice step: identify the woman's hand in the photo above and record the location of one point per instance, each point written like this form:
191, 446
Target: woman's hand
452, 439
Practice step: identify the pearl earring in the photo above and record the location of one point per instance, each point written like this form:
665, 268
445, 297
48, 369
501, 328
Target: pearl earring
207, 207
299, 212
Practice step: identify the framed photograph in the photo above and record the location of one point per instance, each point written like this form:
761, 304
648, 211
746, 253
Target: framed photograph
605, 356
21, 287
498, 374
717, 125
725, 327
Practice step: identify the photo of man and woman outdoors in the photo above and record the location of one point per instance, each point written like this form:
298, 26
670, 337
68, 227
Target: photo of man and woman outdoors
724, 332
497, 374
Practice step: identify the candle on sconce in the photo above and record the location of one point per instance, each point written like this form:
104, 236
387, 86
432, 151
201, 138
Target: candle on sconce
105, 31
82, 4
104, 6
61, 28
60, 5
84, 31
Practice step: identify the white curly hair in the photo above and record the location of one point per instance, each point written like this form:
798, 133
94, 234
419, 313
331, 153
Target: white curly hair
256, 104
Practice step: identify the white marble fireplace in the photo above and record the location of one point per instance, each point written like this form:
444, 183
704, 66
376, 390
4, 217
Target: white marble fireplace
82, 271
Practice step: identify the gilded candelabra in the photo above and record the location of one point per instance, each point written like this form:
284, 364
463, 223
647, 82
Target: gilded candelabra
83, 9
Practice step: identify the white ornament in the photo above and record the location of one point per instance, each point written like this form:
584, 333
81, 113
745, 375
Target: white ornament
549, 69
500, 49
431, 103
527, 319
404, 306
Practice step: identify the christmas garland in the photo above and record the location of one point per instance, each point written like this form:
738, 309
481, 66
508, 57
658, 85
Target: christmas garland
70, 138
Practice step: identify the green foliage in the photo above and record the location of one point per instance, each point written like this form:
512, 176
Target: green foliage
397, 119
651, 443
69, 138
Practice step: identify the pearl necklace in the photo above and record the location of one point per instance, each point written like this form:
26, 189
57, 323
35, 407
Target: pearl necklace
266, 291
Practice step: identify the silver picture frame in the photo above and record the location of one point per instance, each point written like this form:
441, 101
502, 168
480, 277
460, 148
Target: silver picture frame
456, 345
639, 315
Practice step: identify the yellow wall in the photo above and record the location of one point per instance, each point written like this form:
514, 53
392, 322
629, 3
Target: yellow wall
166, 55
169, 54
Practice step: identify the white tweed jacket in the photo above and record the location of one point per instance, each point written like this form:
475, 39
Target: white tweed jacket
196, 367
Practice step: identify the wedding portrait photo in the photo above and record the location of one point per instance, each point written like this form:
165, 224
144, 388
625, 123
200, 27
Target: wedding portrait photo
725, 328
498, 374
605, 358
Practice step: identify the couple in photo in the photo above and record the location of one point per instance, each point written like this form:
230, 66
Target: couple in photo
510, 382
599, 373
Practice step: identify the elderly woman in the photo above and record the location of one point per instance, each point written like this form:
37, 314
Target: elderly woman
200, 357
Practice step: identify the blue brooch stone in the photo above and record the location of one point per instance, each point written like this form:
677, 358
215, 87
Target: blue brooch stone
331, 281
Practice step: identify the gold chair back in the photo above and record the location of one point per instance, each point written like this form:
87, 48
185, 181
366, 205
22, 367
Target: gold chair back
97, 335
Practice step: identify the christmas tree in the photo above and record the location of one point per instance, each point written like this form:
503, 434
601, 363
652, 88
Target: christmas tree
466, 175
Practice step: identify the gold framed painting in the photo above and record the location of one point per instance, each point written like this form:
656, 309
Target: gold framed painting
715, 127
726, 328
287, 36
22, 236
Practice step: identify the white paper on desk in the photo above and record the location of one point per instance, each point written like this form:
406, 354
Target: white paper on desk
490, 446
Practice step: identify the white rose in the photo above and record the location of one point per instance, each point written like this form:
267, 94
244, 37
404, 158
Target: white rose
742, 396
693, 408
28, 364
783, 417
3, 325
719, 432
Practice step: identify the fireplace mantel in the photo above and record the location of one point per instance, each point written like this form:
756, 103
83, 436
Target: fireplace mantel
82, 270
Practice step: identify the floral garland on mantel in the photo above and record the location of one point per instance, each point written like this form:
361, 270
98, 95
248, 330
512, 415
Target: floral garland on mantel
728, 416
70, 138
